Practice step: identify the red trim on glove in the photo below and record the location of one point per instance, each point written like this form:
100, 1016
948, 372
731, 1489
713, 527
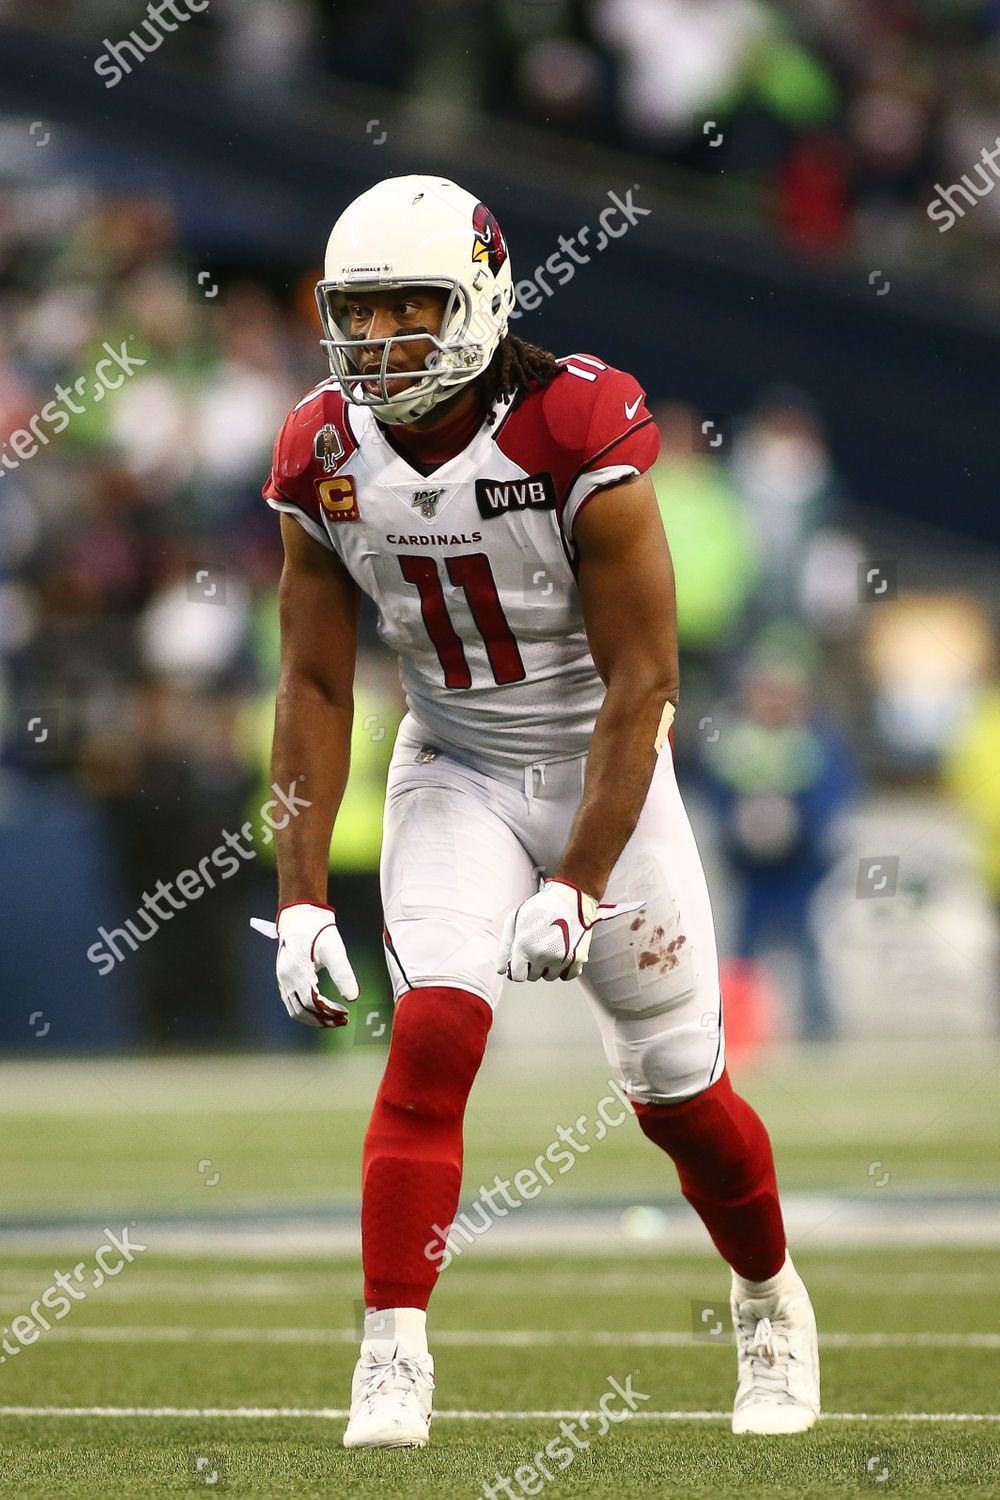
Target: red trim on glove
312, 945
557, 880
321, 904
326, 1013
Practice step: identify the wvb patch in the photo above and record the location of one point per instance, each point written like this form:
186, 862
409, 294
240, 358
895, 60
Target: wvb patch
497, 497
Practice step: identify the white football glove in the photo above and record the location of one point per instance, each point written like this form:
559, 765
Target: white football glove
308, 940
548, 936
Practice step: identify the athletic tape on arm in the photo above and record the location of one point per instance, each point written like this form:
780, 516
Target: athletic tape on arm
666, 719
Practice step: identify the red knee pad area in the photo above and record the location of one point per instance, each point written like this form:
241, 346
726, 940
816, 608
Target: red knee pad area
723, 1157
438, 1040
715, 1139
412, 1161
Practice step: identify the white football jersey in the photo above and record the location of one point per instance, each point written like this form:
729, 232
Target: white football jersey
472, 568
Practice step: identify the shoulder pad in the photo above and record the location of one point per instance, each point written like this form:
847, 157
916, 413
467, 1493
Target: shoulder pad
314, 442
589, 417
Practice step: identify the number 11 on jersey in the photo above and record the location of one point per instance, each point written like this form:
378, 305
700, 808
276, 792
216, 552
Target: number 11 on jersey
471, 572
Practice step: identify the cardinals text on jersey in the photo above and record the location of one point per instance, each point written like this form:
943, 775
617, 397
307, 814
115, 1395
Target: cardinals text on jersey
472, 566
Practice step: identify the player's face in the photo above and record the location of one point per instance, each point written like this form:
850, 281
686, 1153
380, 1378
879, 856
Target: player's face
378, 315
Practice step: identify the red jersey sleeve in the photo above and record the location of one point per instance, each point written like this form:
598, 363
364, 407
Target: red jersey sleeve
592, 430
308, 446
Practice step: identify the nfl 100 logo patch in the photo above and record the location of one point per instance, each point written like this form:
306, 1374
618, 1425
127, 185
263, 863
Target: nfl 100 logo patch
426, 501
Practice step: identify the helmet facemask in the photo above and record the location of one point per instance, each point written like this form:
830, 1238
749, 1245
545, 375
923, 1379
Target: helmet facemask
456, 357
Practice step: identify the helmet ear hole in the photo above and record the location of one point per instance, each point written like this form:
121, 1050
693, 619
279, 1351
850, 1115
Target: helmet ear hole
496, 304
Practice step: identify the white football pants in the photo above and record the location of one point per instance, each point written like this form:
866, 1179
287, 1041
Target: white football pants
462, 848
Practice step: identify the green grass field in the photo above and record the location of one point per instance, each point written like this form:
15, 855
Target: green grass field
220, 1359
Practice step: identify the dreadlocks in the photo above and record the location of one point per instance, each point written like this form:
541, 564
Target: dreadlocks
517, 367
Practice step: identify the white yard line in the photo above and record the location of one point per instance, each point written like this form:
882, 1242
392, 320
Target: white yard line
339, 1413
514, 1338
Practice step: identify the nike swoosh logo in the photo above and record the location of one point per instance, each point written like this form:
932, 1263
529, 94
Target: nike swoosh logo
565, 933
630, 411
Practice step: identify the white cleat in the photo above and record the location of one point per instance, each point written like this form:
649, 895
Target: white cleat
777, 1357
390, 1397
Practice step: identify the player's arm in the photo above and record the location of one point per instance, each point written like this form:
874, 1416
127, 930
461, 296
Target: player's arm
314, 712
626, 583
312, 746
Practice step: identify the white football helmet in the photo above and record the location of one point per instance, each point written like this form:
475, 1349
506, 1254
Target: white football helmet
416, 231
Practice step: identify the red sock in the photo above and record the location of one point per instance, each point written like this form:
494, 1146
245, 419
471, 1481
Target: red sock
412, 1163
724, 1161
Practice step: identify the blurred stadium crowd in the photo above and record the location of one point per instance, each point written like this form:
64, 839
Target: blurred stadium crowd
836, 121
832, 119
138, 564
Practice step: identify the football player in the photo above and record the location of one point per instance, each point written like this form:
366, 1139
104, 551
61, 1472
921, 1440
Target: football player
494, 502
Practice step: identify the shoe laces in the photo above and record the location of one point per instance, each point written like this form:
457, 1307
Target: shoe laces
769, 1351
762, 1342
403, 1374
